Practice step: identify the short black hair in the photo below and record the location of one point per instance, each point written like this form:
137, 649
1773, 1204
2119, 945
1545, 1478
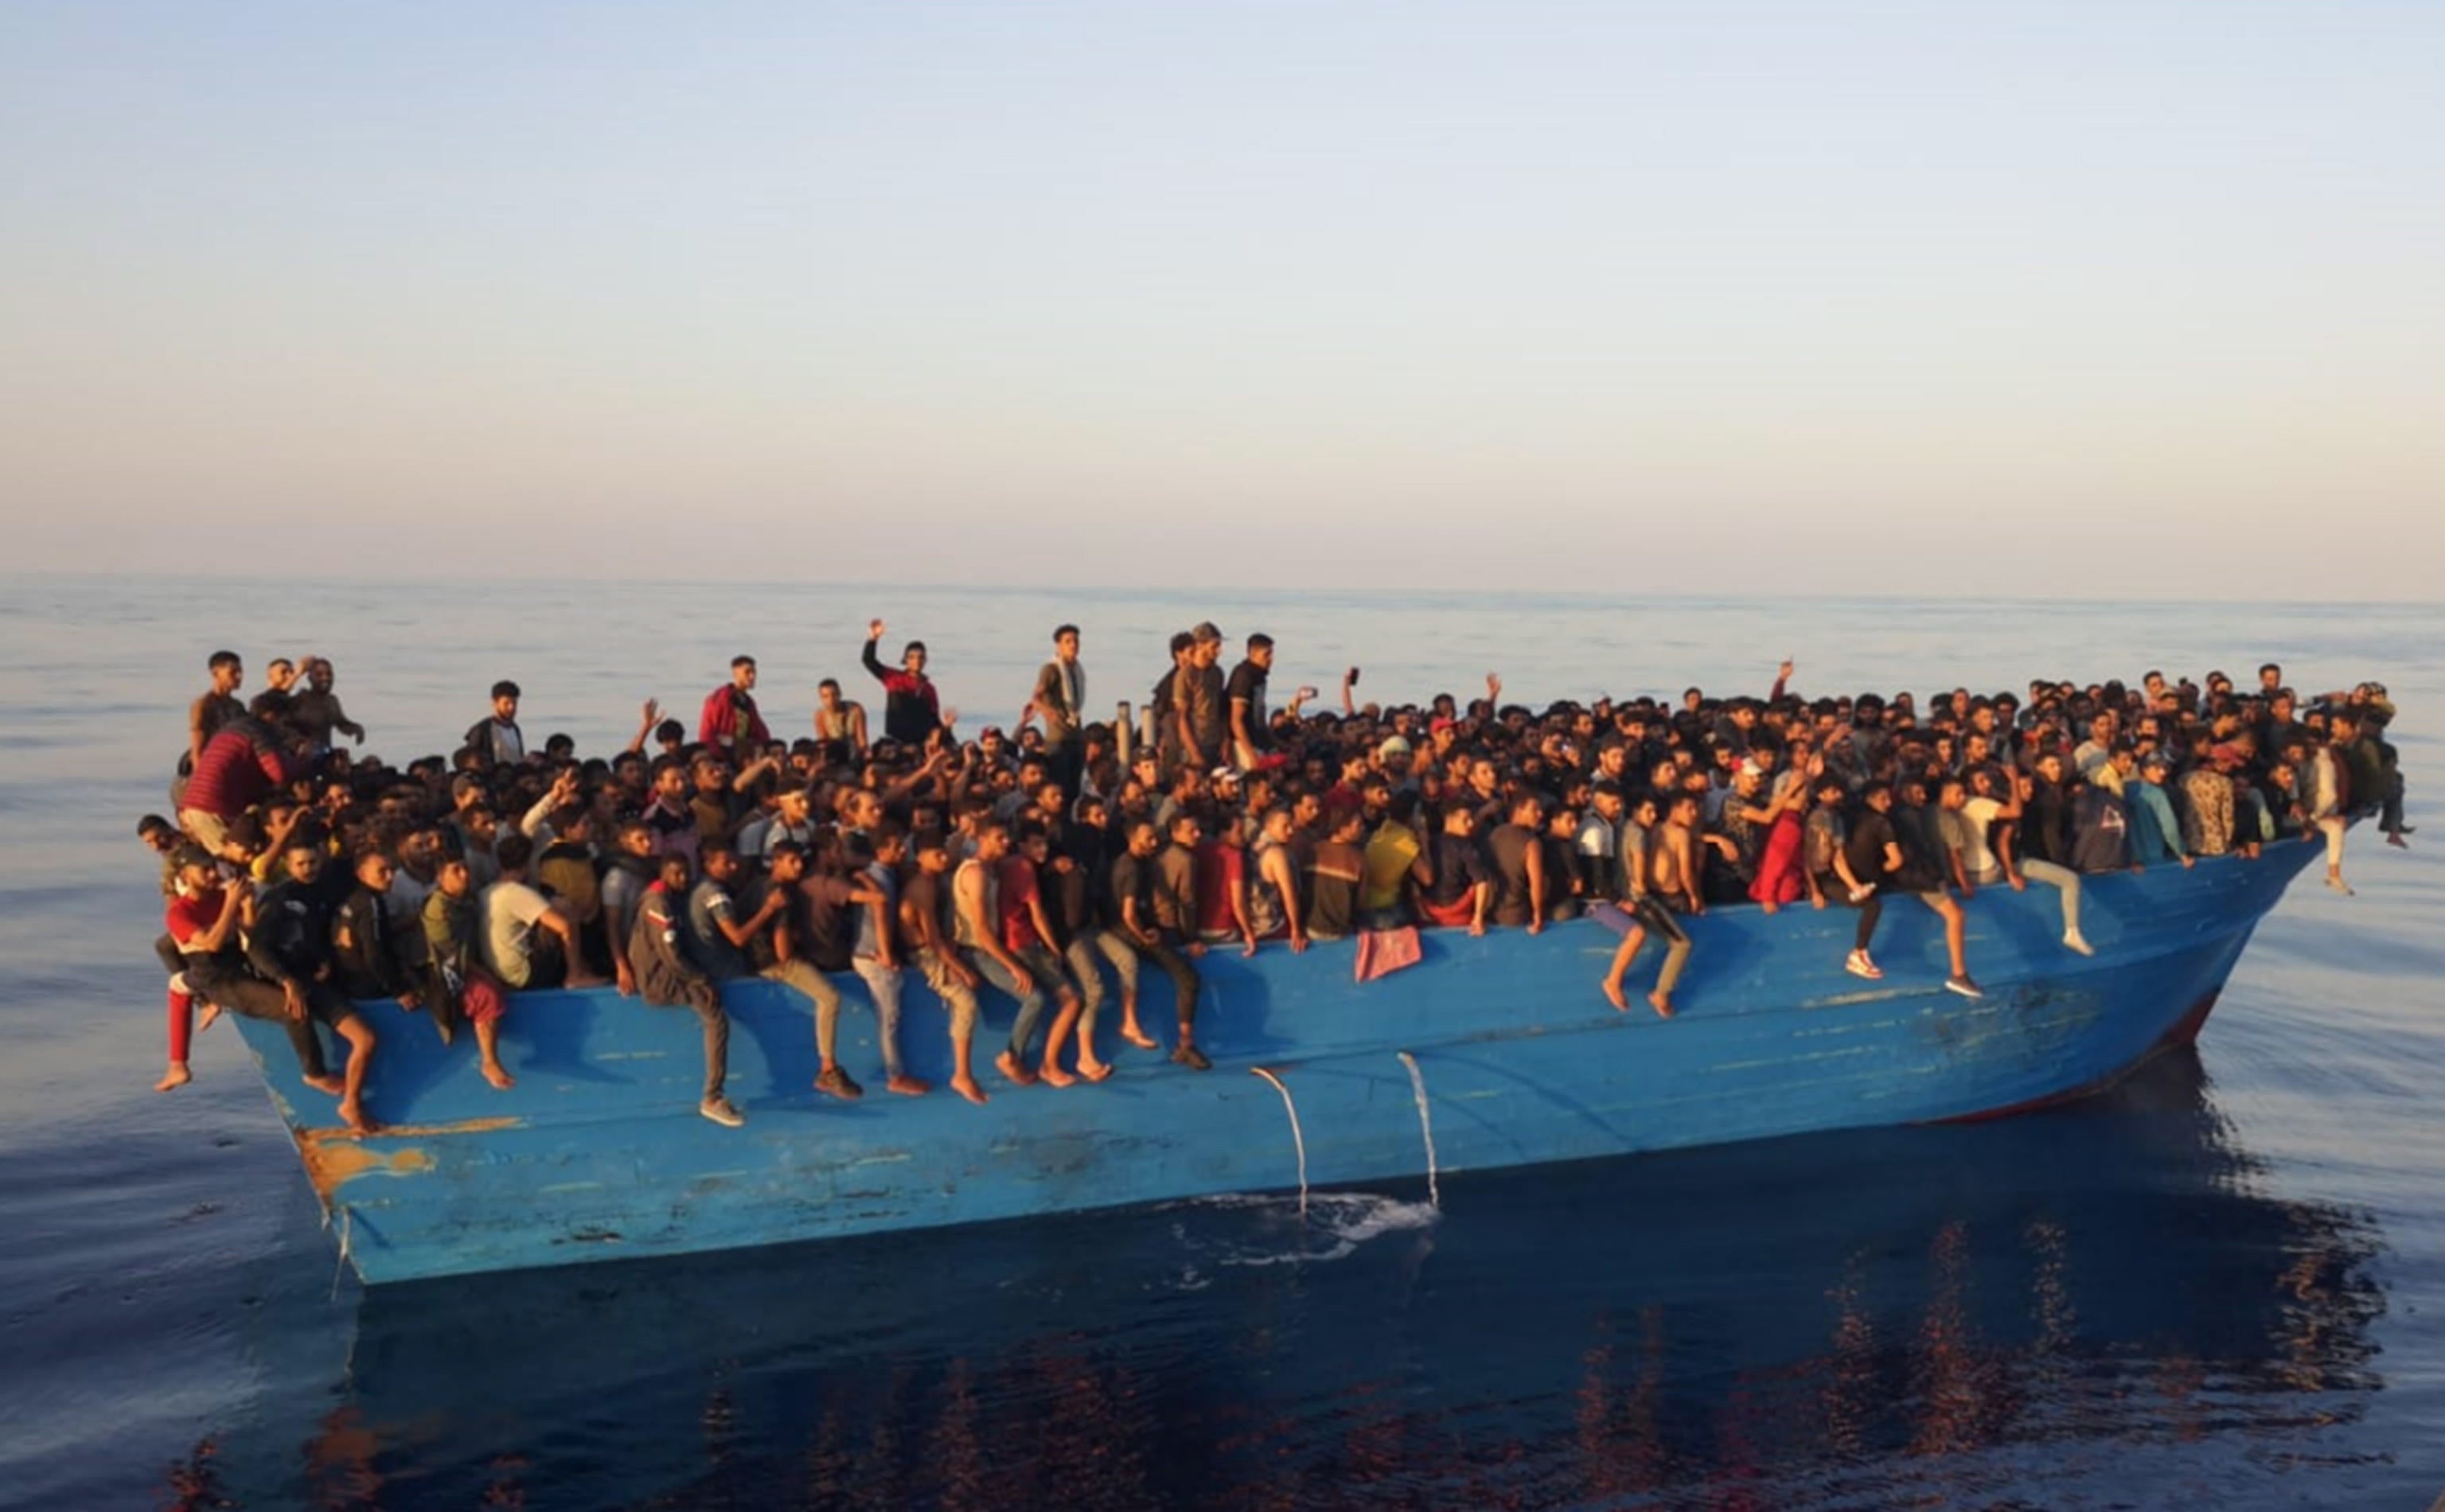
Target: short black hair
1261, 641
221, 658
740, 660
514, 850
1061, 630
506, 689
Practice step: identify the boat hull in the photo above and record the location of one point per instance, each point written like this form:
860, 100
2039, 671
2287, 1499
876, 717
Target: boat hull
599, 1154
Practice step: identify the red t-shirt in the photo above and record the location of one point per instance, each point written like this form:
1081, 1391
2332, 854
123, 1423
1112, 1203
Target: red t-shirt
192, 917
1018, 889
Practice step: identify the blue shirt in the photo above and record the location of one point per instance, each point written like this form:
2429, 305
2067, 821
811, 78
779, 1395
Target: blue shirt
2153, 823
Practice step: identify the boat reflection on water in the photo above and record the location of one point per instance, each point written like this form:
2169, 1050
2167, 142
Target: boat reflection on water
1859, 1318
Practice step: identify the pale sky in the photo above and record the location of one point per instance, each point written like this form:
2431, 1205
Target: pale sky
2103, 299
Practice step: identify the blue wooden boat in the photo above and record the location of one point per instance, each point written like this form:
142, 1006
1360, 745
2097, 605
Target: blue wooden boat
599, 1153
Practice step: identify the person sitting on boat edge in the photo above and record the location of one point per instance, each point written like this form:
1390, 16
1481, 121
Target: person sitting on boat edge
875, 951
458, 986
668, 978
1137, 889
288, 945
937, 959
1660, 888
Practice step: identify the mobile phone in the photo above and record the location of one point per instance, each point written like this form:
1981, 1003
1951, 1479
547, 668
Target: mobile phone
1353, 676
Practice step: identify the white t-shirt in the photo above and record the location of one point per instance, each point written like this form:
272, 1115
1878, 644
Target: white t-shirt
1976, 855
511, 909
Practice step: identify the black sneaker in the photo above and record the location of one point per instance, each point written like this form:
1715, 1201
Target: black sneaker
1192, 1057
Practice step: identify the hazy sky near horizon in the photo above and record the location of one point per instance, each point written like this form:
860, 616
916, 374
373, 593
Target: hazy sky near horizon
1927, 298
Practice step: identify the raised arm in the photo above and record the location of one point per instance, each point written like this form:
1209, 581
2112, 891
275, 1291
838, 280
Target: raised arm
874, 663
652, 714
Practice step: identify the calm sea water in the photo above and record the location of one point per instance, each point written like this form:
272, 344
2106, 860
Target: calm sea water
2222, 1287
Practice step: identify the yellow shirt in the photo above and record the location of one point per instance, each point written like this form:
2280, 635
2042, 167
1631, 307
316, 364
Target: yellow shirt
1391, 851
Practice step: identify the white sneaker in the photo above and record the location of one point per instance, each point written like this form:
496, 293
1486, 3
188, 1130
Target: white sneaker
1859, 965
1963, 985
720, 1112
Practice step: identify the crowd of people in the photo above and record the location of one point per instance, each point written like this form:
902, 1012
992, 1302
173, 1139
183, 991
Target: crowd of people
1061, 858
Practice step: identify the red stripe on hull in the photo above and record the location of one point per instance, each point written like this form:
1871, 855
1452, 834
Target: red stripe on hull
2184, 1032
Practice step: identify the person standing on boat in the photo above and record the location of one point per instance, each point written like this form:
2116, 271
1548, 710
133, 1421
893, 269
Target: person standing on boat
316, 714
912, 711
1198, 711
730, 721
1061, 697
215, 706
497, 736
668, 978
1244, 695
838, 721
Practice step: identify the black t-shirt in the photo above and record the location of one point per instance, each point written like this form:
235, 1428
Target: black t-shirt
1133, 879
1509, 845
822, 921
1871, 832
2045, 830
1248, 682
1459, 865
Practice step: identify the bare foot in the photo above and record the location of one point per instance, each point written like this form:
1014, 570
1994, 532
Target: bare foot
352, 1112
1140, 1038
1016, 1074
1055, 1076
177, 1077
1662, 1004
1614, 995
968, 1088
329, 1086
580, 983
907, 1086
211, 1015
1772, 906
498, 1076
1093, 1070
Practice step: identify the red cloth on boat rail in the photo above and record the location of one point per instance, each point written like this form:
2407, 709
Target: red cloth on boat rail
1382, 952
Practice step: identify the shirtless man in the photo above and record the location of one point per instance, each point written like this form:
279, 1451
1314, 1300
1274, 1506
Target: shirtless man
837, 719
1670, 877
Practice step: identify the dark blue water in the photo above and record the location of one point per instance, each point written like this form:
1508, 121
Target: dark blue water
2218, 1287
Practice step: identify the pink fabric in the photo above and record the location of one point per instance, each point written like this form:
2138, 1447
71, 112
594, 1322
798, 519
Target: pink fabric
1382, 952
